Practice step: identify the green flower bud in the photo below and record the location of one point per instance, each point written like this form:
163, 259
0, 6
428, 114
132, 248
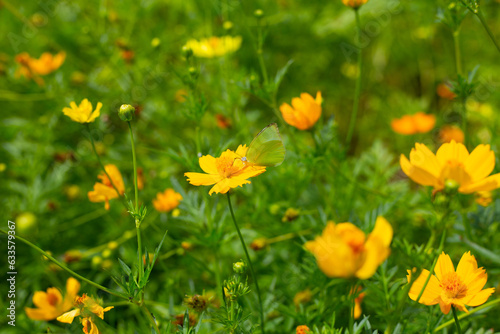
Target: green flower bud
126, 112
193, 72
239, 267
451, 186
259, 13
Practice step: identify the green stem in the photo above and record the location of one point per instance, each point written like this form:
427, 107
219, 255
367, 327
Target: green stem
458, 57
249, 262
471, 312
479, 14
135, 166
150, 317
47, 255
459, 330
443, 237
357, 92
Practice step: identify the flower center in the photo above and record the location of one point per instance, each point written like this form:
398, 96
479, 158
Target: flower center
453, 286
225, 166
52, 299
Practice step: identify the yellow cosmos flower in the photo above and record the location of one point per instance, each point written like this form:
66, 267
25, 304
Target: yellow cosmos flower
226, 171
343, 250
452, 162
305, 111
86, 308
32, 68
167, 200
214, 46
83, 113
412, 124
354, 3
448, 287
104, 190
51, 304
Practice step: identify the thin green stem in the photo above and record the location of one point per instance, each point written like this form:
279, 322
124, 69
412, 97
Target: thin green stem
135, 166
443, 237
249, 262
150, 317
471, 312
479, 14
459, 330
51, 258
357, 92
458, 54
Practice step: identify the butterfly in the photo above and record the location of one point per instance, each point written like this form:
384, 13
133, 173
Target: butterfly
266, 149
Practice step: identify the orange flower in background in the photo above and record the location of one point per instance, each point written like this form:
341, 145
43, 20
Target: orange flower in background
452, 162
343, 250
412, 124
448, 287
140, 178
451, 132
104, 190
51, 304
354, 3
32, 68
222, 121
167, 200
84, 112
357, 303
444, 91
225, 172
214, 46
303, 329
86, 308
484, 198
304, 112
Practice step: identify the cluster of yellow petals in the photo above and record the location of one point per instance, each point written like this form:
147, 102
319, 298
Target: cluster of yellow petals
167, 200
214, 46
354, 3
412, 124
104, 190
343, 250
84, 112
448, 287
51, 304
32, 68
452, 162
86, 307
304, 112
225, 172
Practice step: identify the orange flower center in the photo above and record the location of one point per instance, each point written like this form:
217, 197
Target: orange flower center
225, 166
453, 286
53, 299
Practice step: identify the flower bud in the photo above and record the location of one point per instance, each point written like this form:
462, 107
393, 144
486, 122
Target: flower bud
240, 267
126, 112
259, 13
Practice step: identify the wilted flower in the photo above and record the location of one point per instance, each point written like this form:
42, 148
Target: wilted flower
32, 68
448, 287
167, 200
412, 124
290, 215
302, 297
104, 190
304, 112
343, 250
86, 307
213, 46
452, 162
354, 3
258, 244
451, 132
83, 113
226, 172
51, 304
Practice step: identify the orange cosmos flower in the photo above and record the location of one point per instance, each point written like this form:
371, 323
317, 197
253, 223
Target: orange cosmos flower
343, 250
354, 3
305, 111
444, 92
84, 112
451, 132
452, 162
411, 124
51, 304
448, 287
32, 68
357, 303
226, 171
104, 190
167, 200
86, 308
222, 121
303, 329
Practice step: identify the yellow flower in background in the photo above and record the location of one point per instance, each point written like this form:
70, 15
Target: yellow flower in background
32, 68
167, 200
451, 132
412, 124
104, 190
484, 198
226, 171
354, 3
85, 305
304, 112
51, 304
214, 46
452, 162
302, 297
343, 250
83, 113
448, 287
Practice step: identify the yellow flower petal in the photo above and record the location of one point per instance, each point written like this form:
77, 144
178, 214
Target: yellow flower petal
69, 316
443, 266
432, 291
